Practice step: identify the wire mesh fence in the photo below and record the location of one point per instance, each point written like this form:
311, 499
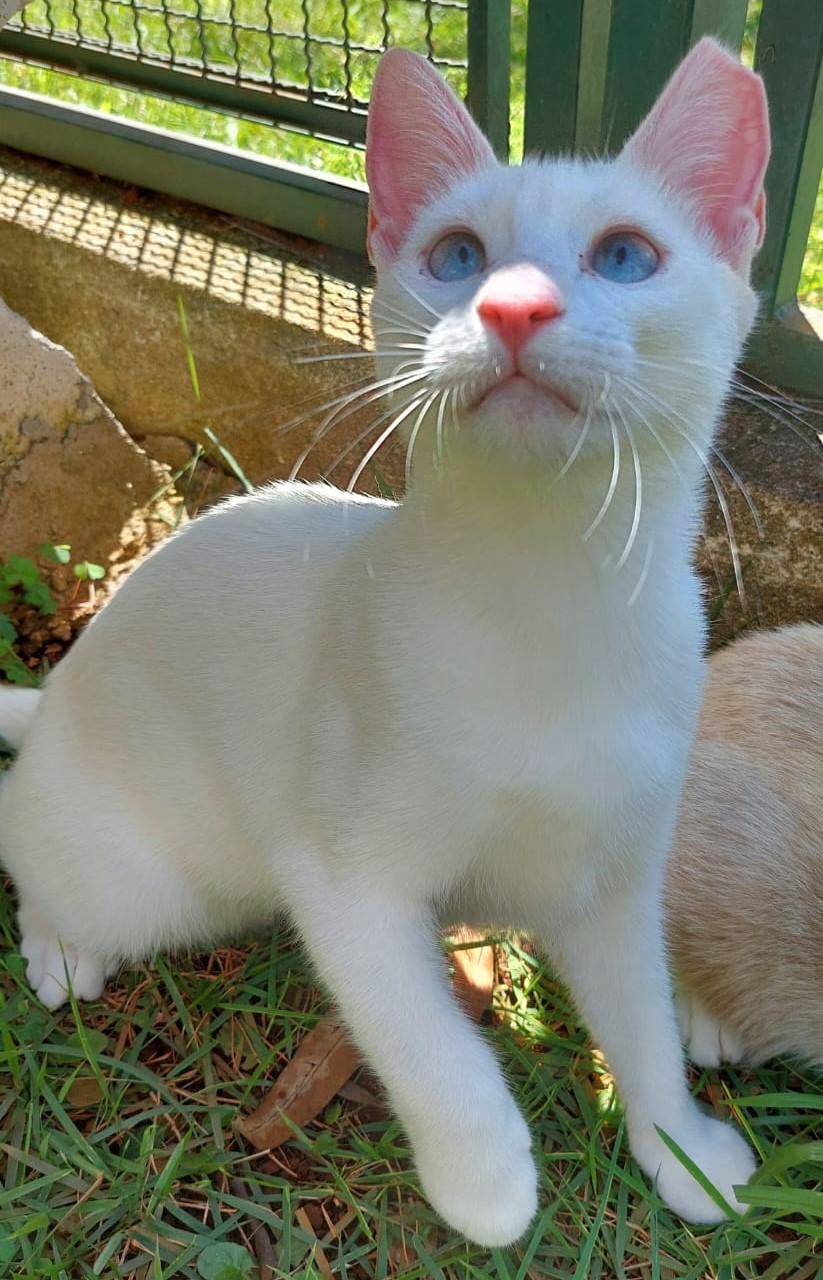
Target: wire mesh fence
224, 71
322, 50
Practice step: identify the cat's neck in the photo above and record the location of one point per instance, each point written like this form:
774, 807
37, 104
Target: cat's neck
489, 501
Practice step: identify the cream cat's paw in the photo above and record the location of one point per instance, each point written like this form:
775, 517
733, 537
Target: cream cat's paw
51, 966
716, 1148
486, 1189
707, 1041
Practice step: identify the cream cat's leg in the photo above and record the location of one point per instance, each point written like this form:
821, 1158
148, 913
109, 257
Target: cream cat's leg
379, 956
614, 961
708, 1042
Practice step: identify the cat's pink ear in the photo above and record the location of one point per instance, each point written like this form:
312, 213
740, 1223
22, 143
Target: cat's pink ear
707, 138
420, 139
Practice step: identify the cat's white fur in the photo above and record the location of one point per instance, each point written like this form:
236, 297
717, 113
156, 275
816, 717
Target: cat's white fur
476, 705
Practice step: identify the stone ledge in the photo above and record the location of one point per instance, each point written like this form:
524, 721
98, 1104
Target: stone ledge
99, 267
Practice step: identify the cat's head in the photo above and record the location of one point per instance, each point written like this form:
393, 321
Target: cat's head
539, 309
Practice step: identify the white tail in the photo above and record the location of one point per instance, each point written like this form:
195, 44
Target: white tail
17, 708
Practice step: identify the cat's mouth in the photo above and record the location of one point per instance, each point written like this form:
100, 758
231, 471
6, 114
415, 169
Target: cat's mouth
520, 388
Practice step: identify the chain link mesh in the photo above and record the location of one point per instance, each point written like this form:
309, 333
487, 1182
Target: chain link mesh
323, 50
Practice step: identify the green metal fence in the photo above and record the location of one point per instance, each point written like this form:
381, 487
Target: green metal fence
214, 100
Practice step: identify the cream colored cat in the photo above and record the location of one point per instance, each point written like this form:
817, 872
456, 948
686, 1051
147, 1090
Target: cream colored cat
478, 703
745, 881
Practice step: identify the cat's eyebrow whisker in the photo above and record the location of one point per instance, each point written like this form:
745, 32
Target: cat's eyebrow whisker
421, 301
380, 441
607, 501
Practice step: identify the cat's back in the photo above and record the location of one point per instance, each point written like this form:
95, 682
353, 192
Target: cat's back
765, 697
249, 572
211, 639
745, 880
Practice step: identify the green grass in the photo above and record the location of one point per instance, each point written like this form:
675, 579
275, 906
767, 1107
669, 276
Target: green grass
119, 1158
121, 1161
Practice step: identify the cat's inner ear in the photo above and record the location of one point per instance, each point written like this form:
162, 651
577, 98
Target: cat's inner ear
420, 139
707, 138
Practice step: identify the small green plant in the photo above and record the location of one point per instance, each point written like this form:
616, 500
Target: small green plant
225, 1262
22, 582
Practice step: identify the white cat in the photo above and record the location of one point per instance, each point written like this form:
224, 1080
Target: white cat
475, 705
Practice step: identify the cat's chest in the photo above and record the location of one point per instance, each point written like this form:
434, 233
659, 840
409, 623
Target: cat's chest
544, 709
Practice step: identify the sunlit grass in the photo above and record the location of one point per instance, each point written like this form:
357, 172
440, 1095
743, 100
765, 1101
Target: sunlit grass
120, 1159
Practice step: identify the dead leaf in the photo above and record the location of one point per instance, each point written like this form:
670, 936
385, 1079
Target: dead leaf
84, 1092
323, 1265
324, 1060
473, 979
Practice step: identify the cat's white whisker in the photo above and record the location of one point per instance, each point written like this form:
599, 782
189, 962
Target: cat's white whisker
779, 409
638, 492
438, 315
744, 492
635, 409
390, 312
579, 443
438, 433
644, 573
380, 441
353, 404
413, 434
612, 486
352, 445
332, 357
669, 412
685, 434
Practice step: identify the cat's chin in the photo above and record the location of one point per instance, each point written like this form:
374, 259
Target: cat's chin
519, 415
522, 400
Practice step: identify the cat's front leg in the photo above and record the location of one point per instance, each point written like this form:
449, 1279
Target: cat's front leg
380, 957
612, 956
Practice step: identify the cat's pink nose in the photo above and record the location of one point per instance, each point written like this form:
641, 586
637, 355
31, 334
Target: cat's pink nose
516, 302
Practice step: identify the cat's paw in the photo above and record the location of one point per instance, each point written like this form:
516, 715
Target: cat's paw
719, 1152
51, 967
707, 1041
485, 1188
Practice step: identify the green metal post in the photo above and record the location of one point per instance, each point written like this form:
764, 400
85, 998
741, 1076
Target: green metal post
553, 46
489, 48
789, 56
647, 39
725, 19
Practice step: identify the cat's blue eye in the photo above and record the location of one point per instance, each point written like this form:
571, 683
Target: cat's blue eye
458, 256
625, 257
